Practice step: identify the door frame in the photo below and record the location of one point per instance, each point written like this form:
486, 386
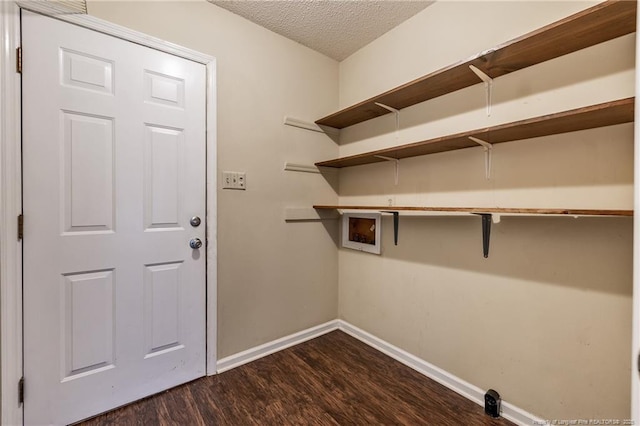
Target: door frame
635, 327
11, 317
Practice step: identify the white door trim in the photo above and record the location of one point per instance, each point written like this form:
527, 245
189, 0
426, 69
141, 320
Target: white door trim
11, 412
87, 21
635, 340
10, 207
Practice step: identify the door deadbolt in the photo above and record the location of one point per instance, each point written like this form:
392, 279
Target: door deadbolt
195, 243
195, 221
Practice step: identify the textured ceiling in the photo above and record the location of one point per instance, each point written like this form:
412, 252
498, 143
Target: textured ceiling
336, 28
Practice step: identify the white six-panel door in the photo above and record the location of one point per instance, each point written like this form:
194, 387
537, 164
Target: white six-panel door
114, 169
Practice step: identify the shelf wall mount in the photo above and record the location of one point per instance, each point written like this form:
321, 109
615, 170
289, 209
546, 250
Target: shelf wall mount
302, 124
397, 164
486, 233
488, 85
396, 112
396, 224
488, 150
305, 168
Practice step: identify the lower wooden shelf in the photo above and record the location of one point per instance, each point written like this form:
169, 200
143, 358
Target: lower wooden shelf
484, 210
488, 215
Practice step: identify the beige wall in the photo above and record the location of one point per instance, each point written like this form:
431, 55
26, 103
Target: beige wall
546, 319
274, 278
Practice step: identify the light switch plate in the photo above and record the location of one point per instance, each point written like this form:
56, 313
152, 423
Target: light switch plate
234, 180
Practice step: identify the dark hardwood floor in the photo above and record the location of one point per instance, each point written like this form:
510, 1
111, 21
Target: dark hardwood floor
331, 380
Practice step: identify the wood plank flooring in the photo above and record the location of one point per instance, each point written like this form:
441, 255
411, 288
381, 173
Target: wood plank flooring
331, 380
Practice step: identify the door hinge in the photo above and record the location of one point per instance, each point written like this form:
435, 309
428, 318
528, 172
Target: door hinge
21, 390
19, 60
20, 227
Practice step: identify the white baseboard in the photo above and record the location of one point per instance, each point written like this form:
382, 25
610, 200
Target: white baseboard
258, 352
456, 384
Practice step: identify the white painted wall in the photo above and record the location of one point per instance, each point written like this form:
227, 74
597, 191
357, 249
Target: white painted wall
546, 320
274, 278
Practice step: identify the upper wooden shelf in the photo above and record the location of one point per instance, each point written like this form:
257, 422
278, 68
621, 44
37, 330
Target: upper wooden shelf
605, 21
606, 114
484, 210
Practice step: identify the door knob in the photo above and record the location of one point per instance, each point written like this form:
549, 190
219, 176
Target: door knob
195, 221
195, 243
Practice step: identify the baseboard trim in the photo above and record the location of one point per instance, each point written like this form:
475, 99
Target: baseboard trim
456, 384
269, 348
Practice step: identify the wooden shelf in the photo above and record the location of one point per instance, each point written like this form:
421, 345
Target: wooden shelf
484, 210
606, 114
605, 21
486, 214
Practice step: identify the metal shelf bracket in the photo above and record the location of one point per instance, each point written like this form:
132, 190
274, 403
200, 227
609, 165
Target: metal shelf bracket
397, 163
488, 85
487, 219
486, 233
397, 114
396, 224
488, 149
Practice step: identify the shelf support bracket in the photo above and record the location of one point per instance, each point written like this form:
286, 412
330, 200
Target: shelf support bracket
486, 233
396, 224
488, 150
488, 85
397, 114
397, 163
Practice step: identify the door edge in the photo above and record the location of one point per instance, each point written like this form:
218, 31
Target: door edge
212, 219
